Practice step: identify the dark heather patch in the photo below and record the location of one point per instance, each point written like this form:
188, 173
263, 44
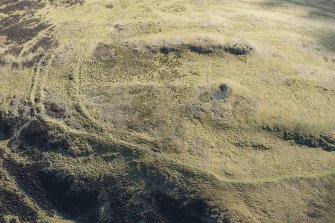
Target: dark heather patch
55, 109
15, 50
201, 49
66, 2
179, 210
16, 6
44, 43
315, 210
71, 201
83, 199
7, 126
19, 113
2, 62
104, 52
21, 25
33, 61
28, 178
238, 49
8, 21
124, 206
104, 199
24, 30
167, 50
324, 141
15, 65
7, 2
327, 143
37, 136
12, 204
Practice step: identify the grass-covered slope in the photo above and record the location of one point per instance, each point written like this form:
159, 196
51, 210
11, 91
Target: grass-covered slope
167, 111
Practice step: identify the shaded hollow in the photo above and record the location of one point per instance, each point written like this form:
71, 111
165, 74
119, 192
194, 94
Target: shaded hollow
75, 203
180, 210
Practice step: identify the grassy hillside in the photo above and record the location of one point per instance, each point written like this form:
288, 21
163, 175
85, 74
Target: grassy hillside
167, 111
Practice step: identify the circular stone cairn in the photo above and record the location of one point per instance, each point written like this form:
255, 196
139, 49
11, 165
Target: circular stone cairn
223, 93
